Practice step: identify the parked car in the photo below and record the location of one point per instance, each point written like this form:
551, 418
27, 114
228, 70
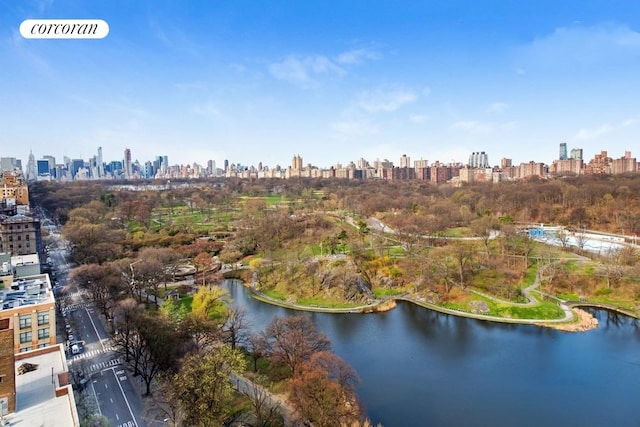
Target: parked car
76, 349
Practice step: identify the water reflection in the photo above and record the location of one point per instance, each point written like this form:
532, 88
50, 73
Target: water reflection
420, 367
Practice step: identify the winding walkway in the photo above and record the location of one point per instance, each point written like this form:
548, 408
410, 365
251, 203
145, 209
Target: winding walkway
567, 317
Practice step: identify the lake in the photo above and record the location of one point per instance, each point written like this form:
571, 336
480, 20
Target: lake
422, 368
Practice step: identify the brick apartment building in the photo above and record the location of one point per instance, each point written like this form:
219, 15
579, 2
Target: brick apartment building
7, 366
30, 304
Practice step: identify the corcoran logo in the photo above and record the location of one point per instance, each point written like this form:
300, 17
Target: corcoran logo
64, 29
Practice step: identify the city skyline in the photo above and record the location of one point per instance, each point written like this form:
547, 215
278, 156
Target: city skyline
95, 167
334, 81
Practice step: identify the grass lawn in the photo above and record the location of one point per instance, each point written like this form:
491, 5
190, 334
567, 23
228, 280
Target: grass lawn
384, 292
185, 302
458, 232
544, 310
323, 302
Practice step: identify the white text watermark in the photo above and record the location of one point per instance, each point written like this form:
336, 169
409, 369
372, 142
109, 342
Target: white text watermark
64, 29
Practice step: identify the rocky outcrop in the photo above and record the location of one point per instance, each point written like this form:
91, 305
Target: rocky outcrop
585, 322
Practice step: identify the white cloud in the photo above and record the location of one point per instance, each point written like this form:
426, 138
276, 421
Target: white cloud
357, 56
580, 44
418, 118
587, 134
605, 128
381, 100
497, 107
629, 122
303, 70
355, 127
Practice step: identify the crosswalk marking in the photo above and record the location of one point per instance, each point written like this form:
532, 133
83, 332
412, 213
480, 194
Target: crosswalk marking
76, 306
105, 365
91, 353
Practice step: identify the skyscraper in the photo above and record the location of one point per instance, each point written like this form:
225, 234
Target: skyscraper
563, 151
127, 163
296, 163
43, 167
32, 173
100, 164
576, 153
8, 164
479, 160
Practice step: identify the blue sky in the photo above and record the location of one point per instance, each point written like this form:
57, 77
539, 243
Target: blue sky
333, 81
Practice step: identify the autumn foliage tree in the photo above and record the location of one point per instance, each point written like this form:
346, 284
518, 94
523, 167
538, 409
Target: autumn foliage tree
323, 391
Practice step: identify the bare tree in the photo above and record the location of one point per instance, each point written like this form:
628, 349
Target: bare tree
292, 340
265, 408
236, 327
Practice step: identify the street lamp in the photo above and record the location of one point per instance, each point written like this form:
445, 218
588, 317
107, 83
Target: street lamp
133, 277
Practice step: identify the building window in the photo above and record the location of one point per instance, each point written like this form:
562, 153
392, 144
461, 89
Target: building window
25, 321
26, 237
19, 237
42, 345
43, 333
25, 349
43, 318
25, 337
11, 238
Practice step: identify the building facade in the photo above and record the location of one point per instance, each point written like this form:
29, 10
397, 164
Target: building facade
30, 305
20, 235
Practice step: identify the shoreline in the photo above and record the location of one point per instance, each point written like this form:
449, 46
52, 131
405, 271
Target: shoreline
575, 319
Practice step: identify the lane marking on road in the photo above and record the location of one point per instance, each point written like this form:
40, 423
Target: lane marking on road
94, 328
125, 398
96, 397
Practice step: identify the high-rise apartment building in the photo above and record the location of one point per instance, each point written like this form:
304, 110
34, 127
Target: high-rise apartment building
563, 151
479, 160
100, 163
405, 161
296, 163
128, 172
576, 154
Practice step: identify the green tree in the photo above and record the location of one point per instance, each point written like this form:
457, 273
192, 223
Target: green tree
203, 387
209, 302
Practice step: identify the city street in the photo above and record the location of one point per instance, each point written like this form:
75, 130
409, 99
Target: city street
109, 387
95, 363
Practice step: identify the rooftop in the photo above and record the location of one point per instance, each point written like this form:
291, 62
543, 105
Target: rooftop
43, 397
27, 291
